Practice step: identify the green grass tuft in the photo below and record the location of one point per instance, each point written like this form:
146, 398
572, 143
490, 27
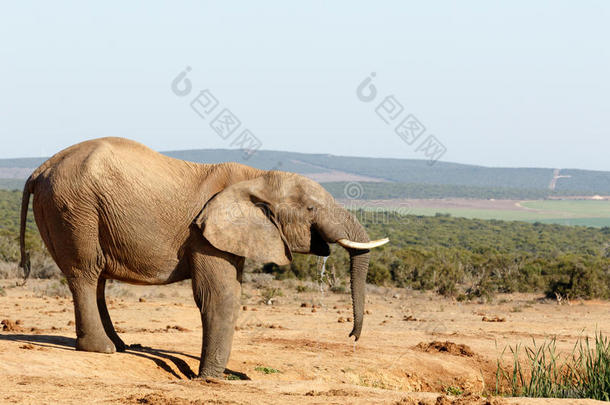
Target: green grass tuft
267, 370
545, 373
455, 391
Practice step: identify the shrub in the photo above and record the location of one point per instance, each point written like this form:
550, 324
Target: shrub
378, 274
269, 293
8, 270
484, 289
44, 267
55, 289
301, 288
259, 280
339, 289
278, 272
576, 278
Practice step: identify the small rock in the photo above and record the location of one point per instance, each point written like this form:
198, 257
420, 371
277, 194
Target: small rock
304, 305
494, 319
245, 308
341, 319
313, 310
177, 327
142, 299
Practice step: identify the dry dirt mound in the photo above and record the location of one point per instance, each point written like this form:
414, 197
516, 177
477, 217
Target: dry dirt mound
160, 399
467, 399
446, 347
333, 393
11, 326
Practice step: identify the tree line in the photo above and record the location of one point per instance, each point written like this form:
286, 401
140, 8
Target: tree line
458, 257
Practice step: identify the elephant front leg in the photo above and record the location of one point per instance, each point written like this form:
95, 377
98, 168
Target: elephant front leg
217, 293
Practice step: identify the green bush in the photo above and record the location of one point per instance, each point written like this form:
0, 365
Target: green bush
575, 277
378, 274
269, 293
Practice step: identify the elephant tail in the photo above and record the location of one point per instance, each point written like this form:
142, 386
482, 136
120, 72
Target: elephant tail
25, 203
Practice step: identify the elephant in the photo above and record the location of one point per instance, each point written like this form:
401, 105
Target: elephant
111, 208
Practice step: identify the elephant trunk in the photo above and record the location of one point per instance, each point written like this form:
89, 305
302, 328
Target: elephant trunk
343, 228
340, 226
359, 265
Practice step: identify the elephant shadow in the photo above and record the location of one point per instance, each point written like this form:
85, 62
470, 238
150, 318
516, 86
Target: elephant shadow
160, 357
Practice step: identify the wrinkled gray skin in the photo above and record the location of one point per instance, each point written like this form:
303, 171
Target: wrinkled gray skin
113, 209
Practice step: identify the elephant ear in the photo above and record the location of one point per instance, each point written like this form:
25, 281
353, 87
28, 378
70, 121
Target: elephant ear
239, 221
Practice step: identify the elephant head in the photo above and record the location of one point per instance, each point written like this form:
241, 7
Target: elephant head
269, 217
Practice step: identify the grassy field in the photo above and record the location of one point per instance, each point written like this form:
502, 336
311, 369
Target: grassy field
564, 212
504, 215
578, 208
589, 213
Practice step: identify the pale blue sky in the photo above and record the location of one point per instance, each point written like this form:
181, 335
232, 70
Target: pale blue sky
522, 83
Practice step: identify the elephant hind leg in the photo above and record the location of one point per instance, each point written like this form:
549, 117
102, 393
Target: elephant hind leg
105, 316
72, 237
90, 333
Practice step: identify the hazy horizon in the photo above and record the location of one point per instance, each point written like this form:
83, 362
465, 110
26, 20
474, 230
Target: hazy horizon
520, 84
342, 155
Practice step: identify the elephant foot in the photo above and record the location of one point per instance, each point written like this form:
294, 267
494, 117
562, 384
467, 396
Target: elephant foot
99, 344
211, 375
210, 380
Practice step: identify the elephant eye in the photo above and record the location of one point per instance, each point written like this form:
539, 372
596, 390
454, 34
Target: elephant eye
310, 208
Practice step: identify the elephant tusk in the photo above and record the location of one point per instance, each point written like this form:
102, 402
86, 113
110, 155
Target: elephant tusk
346, 243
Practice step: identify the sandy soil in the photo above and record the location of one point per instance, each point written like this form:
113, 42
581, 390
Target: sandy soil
402, 357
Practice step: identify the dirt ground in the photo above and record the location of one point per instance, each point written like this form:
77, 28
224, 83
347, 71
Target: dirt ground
415, 347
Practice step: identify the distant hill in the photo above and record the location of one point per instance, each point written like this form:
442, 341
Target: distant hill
436, 181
